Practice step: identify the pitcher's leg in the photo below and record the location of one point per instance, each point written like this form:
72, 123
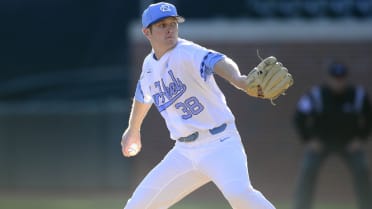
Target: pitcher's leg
171, 180
228, 169
242, 195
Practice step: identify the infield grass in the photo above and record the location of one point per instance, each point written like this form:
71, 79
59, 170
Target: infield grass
107, 202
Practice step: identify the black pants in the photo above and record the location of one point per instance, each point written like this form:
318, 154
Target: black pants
356, 162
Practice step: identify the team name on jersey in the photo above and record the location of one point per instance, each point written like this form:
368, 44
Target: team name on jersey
168, 93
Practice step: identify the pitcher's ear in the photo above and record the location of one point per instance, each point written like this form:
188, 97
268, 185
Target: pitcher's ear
146, 31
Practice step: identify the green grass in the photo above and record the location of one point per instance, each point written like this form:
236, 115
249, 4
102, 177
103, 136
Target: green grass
109, 202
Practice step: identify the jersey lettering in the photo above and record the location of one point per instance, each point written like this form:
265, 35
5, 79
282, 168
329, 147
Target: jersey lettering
168, 94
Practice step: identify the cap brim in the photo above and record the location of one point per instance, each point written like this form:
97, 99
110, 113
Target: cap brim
180, 19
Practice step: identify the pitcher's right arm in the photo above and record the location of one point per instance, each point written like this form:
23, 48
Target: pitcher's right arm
132, 135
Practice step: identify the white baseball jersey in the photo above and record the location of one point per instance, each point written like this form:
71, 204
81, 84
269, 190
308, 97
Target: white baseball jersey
182, 87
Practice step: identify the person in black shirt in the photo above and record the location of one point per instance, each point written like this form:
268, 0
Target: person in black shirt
334, 118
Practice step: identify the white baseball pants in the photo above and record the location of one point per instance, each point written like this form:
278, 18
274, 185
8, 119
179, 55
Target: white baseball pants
189, 165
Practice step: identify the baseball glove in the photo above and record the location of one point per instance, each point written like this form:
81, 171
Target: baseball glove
268, 80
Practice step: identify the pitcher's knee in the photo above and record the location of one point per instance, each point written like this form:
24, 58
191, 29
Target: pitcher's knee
236, 194
247, 197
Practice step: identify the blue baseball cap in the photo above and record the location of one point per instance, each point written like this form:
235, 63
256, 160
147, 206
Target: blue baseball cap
159, 11
337, 70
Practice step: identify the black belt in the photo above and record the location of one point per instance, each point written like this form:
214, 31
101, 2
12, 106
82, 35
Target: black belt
192, 137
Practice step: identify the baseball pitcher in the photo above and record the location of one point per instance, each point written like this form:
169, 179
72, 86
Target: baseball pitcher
178, 78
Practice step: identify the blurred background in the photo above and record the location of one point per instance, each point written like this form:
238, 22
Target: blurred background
68, 72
